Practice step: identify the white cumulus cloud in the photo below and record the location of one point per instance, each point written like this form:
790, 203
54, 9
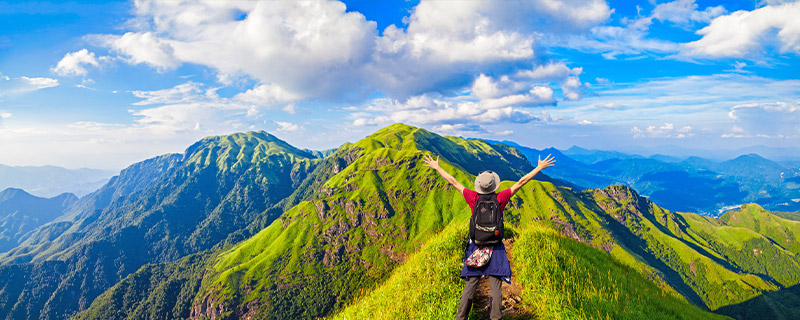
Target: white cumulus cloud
287, 126
312, 48
193, 106
750, 33
267, 94
631, 38
685, 11
145, 48
317, 49
182, 93
554, 71
75, 63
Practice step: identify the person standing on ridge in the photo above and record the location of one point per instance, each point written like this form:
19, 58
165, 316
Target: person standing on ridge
486, 254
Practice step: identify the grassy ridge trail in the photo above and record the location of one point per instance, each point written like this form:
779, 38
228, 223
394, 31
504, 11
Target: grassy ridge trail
513, 308
554, 277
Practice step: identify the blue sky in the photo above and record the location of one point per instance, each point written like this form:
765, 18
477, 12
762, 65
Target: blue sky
105, 84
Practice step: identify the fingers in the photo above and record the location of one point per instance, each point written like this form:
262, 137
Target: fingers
429, 162
548, 161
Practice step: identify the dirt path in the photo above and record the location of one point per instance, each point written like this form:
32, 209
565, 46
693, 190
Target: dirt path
512, 298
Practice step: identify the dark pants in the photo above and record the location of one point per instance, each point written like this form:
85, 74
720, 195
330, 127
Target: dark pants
495, 297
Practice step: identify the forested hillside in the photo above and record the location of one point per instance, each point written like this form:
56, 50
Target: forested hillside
155, 211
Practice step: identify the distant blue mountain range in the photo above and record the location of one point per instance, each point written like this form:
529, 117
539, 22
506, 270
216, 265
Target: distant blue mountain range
691, 184
50, 181
21, 212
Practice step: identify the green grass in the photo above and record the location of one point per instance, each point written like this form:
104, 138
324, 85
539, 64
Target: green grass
783, 231
561, 279
426, 286
565, 279
367, 218
700, 257
378, 235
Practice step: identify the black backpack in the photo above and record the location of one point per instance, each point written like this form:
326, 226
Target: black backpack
486, 223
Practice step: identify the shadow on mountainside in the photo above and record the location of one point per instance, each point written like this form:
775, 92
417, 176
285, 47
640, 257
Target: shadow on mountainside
783, 304
636, 246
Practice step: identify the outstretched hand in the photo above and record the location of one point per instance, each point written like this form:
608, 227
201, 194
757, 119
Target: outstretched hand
548, 161
429, 162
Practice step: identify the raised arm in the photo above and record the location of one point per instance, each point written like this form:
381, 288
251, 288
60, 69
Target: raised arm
429, 162
542, 164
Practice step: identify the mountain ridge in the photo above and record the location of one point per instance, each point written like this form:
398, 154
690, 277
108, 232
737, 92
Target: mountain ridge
346, 225
359, 207
155, 211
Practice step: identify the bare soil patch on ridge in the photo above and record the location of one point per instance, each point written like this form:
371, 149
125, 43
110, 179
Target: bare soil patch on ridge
513, 308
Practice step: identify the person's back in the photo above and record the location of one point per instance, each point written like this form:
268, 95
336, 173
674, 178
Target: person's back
476, 265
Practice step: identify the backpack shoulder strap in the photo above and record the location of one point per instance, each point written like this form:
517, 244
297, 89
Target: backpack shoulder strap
488, 197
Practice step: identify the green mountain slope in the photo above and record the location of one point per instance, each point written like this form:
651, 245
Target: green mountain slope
686, 248
784, 232
561, 278
566, 279
156, 211
155, 291
374, 212
353, 228
695, 255
781, 230
369, 219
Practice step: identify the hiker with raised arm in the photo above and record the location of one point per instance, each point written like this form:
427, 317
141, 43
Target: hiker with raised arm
486, 253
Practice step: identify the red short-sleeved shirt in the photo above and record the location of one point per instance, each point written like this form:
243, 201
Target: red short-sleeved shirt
472, 197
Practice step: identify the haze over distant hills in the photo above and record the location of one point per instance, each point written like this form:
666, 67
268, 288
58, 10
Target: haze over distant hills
50, 181
778, 154
691, 184
21, 213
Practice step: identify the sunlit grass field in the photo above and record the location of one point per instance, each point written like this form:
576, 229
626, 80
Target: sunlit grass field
565, 279
561, 279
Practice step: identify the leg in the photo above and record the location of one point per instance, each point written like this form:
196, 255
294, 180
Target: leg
495, 297
466, 298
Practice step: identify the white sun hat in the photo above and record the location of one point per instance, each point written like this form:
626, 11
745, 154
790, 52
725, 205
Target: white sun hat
487, 182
